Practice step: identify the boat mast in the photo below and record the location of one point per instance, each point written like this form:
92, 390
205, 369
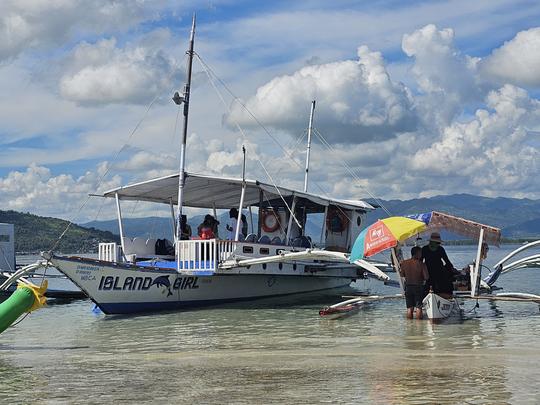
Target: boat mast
310, 128
179, 100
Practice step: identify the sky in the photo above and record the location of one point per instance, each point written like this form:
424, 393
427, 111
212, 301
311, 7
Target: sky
413, 99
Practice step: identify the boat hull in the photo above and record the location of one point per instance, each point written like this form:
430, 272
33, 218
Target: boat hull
438, 308
122, 289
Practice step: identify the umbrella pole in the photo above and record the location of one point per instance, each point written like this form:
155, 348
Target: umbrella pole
395, 263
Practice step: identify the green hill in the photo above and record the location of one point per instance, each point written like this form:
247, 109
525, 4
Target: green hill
34, 233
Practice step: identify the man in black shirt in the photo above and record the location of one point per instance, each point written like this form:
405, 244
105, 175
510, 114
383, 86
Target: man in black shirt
439, 267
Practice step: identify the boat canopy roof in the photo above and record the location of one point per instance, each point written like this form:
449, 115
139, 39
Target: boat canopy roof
437, 221
204, 191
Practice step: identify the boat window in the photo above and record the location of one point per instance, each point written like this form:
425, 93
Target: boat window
358, 220
264, 251
4, 238
280, 266
247, 249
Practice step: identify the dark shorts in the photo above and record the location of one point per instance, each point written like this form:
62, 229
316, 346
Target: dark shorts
414, 294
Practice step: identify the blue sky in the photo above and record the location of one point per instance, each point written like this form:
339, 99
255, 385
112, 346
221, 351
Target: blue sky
420, 98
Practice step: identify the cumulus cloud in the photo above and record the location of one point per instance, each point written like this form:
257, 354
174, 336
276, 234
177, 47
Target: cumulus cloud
37, 190
358, 100
517, 61
490, 151
446, 78
102, 73
26, 24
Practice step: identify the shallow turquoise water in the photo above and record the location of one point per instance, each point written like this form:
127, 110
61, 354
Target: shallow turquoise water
274, 352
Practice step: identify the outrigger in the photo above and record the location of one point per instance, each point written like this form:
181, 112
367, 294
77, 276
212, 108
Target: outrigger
438, 307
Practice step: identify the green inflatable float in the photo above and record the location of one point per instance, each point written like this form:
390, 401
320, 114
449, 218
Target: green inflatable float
26, 298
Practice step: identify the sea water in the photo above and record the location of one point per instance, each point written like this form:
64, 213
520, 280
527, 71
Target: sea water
270, 351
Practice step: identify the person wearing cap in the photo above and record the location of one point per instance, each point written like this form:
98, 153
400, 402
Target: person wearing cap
416, 274
440, 268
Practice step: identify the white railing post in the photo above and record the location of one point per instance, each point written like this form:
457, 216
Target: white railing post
196, 255
108, 252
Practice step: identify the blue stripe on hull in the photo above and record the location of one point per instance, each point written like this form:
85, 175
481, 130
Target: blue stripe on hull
138, 307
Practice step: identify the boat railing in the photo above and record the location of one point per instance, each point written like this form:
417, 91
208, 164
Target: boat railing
196, 254
226, 249
108, 252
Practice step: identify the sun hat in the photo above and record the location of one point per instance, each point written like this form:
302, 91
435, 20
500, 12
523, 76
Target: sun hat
435, 237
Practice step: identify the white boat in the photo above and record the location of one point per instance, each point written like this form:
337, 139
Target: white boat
58, 285
438, 308
276, 259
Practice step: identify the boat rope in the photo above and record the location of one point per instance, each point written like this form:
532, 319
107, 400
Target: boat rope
115, 158
211, 75
349, 169
20, 320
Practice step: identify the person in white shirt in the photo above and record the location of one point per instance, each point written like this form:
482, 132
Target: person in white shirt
232, 223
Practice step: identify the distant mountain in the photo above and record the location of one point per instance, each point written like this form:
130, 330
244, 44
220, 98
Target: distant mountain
34, 233
518, 218
527, 229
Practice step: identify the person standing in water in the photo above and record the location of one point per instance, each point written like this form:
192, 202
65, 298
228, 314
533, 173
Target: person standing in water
416, 274
439, 267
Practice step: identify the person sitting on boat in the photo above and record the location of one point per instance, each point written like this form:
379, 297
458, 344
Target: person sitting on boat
209, 220
416, 274
463, 278
185, 228
440, 268
206, 229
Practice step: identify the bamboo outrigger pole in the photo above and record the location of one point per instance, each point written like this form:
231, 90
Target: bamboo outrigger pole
179, 100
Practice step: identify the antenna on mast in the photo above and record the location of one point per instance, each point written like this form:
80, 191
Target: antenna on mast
310, 128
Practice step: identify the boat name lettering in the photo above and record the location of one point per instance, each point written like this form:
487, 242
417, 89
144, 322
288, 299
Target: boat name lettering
183, 283
108, 283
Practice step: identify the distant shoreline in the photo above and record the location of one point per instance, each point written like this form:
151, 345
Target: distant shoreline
466, 242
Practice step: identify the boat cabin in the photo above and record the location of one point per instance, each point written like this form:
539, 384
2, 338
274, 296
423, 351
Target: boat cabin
283, 214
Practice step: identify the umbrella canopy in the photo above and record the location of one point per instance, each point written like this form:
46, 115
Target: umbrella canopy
384, 234
438, 221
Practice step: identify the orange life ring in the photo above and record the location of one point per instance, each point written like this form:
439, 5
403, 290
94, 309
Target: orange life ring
270, 221
336, 220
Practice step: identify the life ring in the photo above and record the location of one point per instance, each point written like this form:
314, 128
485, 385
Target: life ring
270, 221
336, 220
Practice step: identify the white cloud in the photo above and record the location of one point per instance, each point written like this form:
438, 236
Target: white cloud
101, 73
446, 79
517, 61
27, 24
36, 190
357, 101
489, 153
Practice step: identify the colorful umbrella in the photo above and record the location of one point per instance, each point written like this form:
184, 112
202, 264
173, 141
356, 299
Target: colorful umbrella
384, 234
